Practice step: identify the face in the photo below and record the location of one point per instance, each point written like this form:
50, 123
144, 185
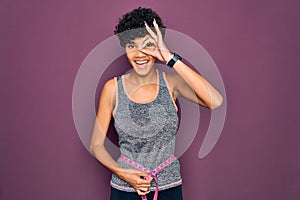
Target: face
141, 62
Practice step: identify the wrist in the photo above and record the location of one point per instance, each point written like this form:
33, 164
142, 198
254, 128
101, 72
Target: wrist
119, 172
171, 62
168, 57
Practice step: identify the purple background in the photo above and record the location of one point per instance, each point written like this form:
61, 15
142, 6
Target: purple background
255, 45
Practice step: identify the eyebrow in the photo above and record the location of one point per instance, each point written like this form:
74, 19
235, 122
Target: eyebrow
131, 42
146, 39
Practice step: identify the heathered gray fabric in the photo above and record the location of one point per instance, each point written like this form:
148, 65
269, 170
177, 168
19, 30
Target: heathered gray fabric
147, 135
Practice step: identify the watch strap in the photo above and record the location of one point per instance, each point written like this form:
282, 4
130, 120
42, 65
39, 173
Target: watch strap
173, 60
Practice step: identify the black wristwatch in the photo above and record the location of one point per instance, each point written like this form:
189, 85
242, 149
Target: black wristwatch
173, 60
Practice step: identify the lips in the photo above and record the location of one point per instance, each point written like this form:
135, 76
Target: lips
141, 63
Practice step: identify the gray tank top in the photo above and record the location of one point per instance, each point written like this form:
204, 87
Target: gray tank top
147, 135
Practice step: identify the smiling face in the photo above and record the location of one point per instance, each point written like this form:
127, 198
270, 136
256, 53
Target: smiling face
141, 62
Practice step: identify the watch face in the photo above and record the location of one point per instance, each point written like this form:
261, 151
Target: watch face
174, 59
171, 62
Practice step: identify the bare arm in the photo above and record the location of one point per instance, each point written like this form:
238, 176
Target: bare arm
188, 83
97, 148
102, 121
194, 87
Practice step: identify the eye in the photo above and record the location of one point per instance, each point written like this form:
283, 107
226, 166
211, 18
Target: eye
130, 46
149, 44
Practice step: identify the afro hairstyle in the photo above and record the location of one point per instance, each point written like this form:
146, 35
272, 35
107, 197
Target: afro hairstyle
132, 25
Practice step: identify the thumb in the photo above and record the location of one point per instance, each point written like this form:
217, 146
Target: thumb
146, 176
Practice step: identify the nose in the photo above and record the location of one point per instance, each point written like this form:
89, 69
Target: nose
139, 53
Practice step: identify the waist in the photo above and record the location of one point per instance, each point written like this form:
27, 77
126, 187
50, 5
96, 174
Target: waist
142, 168
166, 172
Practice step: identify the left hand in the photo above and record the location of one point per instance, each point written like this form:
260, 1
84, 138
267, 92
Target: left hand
158, 49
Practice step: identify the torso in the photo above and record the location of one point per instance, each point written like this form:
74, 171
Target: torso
146, 121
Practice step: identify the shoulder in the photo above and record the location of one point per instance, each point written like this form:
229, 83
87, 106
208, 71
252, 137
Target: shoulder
110, 84
108, 94
109, 88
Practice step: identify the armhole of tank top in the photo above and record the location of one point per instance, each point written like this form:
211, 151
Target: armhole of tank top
170, 93
117, 97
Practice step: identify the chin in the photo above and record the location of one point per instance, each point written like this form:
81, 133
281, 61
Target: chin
143, 71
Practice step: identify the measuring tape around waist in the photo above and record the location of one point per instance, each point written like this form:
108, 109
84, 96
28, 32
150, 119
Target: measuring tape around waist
153, 173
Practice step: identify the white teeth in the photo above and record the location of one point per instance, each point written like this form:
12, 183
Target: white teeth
141, 62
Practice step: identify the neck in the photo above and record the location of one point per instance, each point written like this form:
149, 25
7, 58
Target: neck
149, 78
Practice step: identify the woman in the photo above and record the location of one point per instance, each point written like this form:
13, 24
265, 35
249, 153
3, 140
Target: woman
142, 103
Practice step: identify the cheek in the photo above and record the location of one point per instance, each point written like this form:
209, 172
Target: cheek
129, 55
153, 59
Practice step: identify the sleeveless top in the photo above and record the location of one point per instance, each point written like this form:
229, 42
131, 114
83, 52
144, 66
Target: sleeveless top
147, 135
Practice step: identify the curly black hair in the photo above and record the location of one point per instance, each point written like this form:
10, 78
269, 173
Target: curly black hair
132, 25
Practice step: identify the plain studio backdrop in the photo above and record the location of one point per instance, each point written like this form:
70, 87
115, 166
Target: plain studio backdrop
255, 45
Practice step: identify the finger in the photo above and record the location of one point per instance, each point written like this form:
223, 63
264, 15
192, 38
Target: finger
158, 33
147, 186
141, 192
150, 30
145, 181
155, 54
144, 189
150, 42
144, 177
151, 53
